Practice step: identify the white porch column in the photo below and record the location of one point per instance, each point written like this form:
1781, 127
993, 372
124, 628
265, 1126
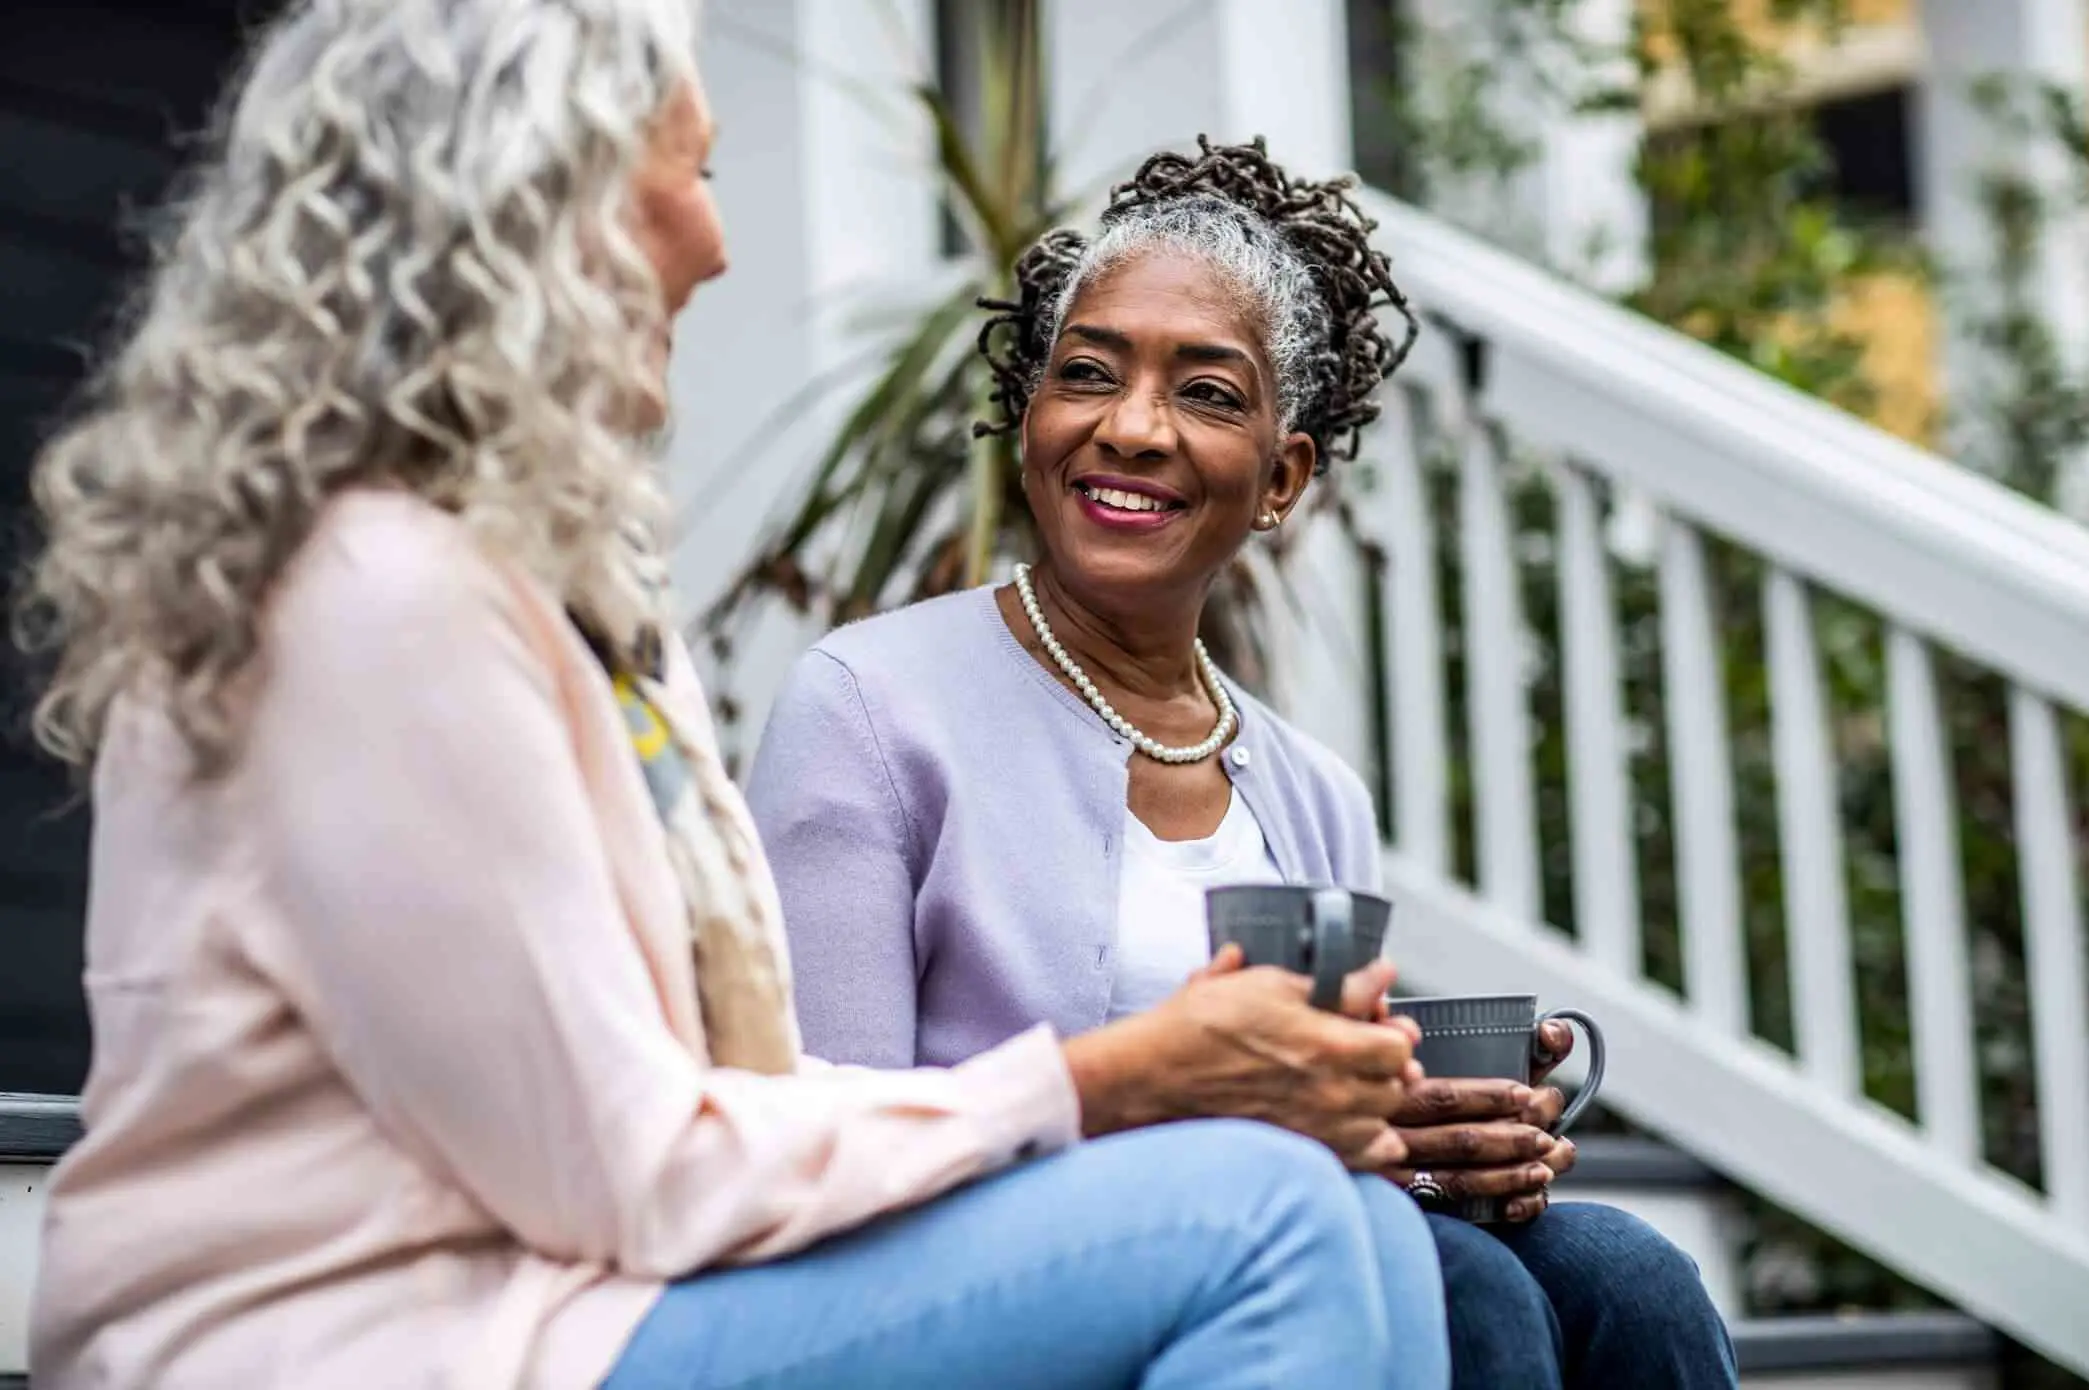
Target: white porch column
1576, 206
2028, 41
827, 199
1125, 80
1128, 77
1594, 213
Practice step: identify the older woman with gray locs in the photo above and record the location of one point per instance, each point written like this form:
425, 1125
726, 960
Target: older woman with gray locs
443, 1033
1003, 807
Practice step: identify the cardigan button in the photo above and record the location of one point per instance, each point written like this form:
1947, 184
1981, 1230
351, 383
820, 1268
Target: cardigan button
1239, 758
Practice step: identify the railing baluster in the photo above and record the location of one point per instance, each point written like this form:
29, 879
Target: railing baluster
1420, 792
1599, 788
2053, 949
1809, 841
1715, 968
1940, 989
1496, 703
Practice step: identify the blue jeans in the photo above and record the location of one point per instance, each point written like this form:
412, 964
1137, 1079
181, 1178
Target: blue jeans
1212, 1254
1584, 1296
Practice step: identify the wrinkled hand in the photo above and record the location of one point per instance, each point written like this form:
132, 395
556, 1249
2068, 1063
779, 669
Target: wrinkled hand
1246, 1043
1484, 1138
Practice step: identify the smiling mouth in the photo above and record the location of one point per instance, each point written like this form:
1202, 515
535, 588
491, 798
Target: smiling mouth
1119, 500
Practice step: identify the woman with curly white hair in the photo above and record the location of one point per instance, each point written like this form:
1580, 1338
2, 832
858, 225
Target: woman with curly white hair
443, 1029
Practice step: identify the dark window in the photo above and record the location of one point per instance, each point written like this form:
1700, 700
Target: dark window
95, 97
1868, 145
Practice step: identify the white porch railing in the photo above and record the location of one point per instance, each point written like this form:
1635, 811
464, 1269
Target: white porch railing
1529, 387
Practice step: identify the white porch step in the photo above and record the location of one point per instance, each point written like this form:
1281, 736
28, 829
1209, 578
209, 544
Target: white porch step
1868, 1351
21, 1222
34, 1131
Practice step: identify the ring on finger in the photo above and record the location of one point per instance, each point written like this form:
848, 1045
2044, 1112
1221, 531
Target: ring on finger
1426, 1189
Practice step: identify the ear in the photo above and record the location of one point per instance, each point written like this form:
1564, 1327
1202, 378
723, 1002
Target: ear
1289, 474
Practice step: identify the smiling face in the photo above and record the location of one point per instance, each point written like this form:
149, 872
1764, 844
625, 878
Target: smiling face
1150, 447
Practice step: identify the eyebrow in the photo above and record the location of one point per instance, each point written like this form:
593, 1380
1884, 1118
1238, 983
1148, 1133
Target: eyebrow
1192, 352
1212, 352
1101, 337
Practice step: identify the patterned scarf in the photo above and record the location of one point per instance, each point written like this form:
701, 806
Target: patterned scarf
743, 980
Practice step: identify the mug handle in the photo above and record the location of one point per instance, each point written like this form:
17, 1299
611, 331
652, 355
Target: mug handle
1331, 916
1587, 1093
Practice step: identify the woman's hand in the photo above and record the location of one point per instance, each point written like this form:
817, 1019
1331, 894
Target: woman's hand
1555, 1042
1245, 1043
1484, 1138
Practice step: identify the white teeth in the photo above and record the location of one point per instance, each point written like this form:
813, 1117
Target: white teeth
1120, 500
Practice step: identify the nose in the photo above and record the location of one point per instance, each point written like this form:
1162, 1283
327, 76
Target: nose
1137, 425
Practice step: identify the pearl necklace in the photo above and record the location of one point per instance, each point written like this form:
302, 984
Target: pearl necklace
1152, 748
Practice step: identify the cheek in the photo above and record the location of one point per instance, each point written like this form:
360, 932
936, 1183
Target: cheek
1232, 472
1050, 432
679, 229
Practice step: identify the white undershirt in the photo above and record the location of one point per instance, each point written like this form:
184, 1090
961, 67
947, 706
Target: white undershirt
1161, 937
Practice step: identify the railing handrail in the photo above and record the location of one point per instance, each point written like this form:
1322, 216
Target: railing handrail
1938, 547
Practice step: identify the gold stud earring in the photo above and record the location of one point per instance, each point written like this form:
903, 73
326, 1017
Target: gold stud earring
1270, 520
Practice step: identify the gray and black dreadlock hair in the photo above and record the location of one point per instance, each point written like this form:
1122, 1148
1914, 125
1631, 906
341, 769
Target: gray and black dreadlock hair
1299, 252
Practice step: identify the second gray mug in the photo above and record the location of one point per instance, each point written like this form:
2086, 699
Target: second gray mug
1322, 932
1495, 1035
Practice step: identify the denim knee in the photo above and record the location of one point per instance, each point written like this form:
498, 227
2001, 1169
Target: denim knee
1483, 1280
1289, 1195
1412, 1281
1631, 1304
1238, 1149
1396, 1222
1595, 1260
1246, 1167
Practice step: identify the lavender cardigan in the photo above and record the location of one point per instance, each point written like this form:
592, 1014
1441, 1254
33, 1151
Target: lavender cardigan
946, 820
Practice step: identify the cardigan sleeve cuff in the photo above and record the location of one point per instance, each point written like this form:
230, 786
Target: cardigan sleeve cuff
1026, 1097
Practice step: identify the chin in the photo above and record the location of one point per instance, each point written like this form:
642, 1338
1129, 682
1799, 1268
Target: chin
1121, 568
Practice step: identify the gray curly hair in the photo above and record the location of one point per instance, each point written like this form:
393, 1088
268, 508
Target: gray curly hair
404, 261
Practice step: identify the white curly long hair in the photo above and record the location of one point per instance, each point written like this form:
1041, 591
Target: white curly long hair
405, 260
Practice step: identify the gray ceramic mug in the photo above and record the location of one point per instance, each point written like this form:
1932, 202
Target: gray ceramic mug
1495, 1035
1322, 932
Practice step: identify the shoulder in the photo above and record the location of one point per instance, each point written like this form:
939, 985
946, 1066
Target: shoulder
918, 638
912, 695
388, 578
376, 557
906, 664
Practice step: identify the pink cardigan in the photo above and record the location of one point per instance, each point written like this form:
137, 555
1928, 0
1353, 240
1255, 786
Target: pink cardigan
387, 1086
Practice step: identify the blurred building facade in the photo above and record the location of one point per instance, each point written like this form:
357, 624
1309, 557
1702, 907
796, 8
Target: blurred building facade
1890, 92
